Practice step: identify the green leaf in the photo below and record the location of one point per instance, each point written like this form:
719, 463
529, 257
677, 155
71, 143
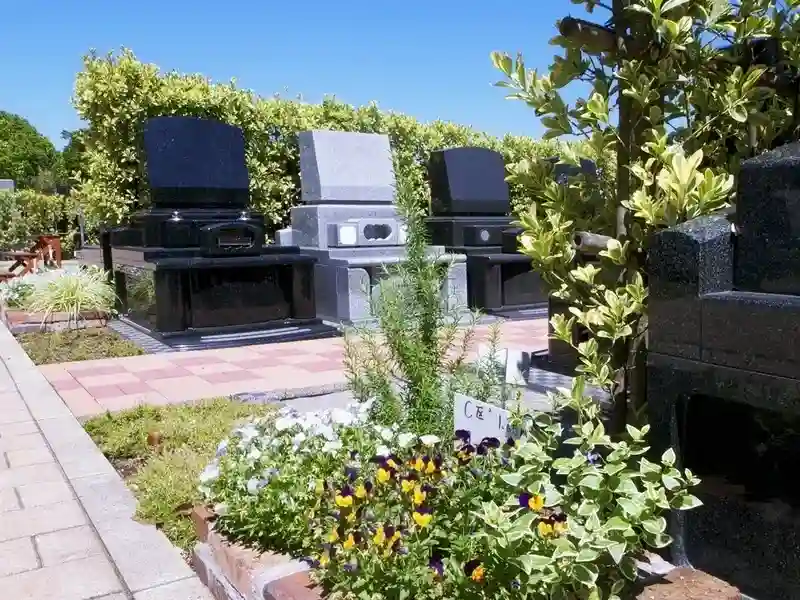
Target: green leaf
628, 567
686, 502
668, 458
617, 524
587, 555
670, 482
585, 574
739, 113
631, 507
512, 479
534, 562
655, 526
591, 481
617, 551
671, 4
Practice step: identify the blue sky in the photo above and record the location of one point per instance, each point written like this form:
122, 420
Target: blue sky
428, 59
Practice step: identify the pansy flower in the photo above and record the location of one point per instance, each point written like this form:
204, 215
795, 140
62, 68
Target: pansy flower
379, 539
383, 475
437, 565
344, 498
419, 495
422, 516
463, 436
351, 541
487, 444
553, 526
465, 453
351, 566
351, 471
409, 482
475, 571
363, 489
510, 444
534, 502
434, 464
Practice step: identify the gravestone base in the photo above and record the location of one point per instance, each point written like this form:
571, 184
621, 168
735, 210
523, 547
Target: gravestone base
345, 285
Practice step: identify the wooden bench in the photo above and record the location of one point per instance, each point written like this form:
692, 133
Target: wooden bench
46, 250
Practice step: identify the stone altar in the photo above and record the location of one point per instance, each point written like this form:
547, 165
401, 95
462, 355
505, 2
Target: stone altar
349, 223
193, 270
724, 377
470, 215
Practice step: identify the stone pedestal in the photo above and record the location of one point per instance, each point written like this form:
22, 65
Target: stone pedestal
350, 225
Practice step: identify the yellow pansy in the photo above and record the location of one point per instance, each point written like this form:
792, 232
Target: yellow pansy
431, 468
384, 475
324, 559
419, 464
333, 536
419, 495
344, 501
349, 543
544, 528
407, 485
536, 502
361, 491
380, 537
422, 519
478, 574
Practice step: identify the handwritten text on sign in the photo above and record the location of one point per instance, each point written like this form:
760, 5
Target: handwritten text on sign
482, 420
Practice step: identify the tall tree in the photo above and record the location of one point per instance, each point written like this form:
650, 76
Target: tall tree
24, 152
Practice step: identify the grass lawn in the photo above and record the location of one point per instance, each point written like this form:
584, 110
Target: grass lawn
162, 471
45, 347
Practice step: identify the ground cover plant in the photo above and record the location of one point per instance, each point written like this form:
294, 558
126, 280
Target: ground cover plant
159, 450
48, 347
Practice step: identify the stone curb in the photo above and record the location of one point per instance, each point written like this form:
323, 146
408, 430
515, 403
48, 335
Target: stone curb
146, 563
233, 572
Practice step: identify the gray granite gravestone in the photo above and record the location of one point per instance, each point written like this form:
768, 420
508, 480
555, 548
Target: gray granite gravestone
7, 185
723, 377
349, 222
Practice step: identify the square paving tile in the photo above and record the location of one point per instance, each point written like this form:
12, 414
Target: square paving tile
67, 544
17, 556
105, 391
74, 580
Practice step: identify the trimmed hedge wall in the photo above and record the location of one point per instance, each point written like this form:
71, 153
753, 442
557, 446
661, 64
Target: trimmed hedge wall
115, 94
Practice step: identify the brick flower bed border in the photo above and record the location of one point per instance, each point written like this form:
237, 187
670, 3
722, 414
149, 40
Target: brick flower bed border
21, 321
232, 572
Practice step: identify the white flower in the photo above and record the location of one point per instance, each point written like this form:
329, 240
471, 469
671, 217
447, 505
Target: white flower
254, 485
386, 434
406, 439
254, 454
222, 449
247, 434
275, 443
430, 440
332, 446
210, 473
326, 431
299, 438
382, 451
221, 509
284, 423
342, 417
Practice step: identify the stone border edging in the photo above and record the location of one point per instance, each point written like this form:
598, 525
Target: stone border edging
233, 572
146, 563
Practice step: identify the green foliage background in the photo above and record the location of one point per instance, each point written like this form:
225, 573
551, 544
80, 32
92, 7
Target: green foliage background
24, 152
116, 93
24, 214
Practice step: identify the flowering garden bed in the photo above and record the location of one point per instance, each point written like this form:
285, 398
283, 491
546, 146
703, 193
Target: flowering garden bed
379, 512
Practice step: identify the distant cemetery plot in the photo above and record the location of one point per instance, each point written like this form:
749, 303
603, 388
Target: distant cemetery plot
470, 215
350, 224
724, 377
194, 270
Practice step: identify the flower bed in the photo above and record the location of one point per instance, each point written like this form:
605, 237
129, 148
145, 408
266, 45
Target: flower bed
378, 512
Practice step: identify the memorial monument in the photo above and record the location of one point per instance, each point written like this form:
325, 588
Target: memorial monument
470, 215
349, 223
724, 377
193, 270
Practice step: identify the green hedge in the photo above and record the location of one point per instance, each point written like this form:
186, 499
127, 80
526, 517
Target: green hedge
117, 93
25, 214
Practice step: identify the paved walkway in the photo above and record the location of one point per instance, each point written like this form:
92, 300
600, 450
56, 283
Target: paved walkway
66, 518
93, 387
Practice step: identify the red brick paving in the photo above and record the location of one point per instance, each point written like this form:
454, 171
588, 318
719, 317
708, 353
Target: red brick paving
93, 387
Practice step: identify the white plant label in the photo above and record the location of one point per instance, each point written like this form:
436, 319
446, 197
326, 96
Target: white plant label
482, 420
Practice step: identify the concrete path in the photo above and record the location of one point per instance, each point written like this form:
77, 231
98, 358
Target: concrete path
93, 387
66, 518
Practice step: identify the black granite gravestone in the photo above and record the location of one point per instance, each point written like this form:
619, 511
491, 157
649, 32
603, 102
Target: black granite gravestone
724, 377
470, 207
193, 270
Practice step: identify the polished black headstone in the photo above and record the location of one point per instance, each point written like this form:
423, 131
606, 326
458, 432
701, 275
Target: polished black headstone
723, 378
768, 222
468, 181
195, 162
